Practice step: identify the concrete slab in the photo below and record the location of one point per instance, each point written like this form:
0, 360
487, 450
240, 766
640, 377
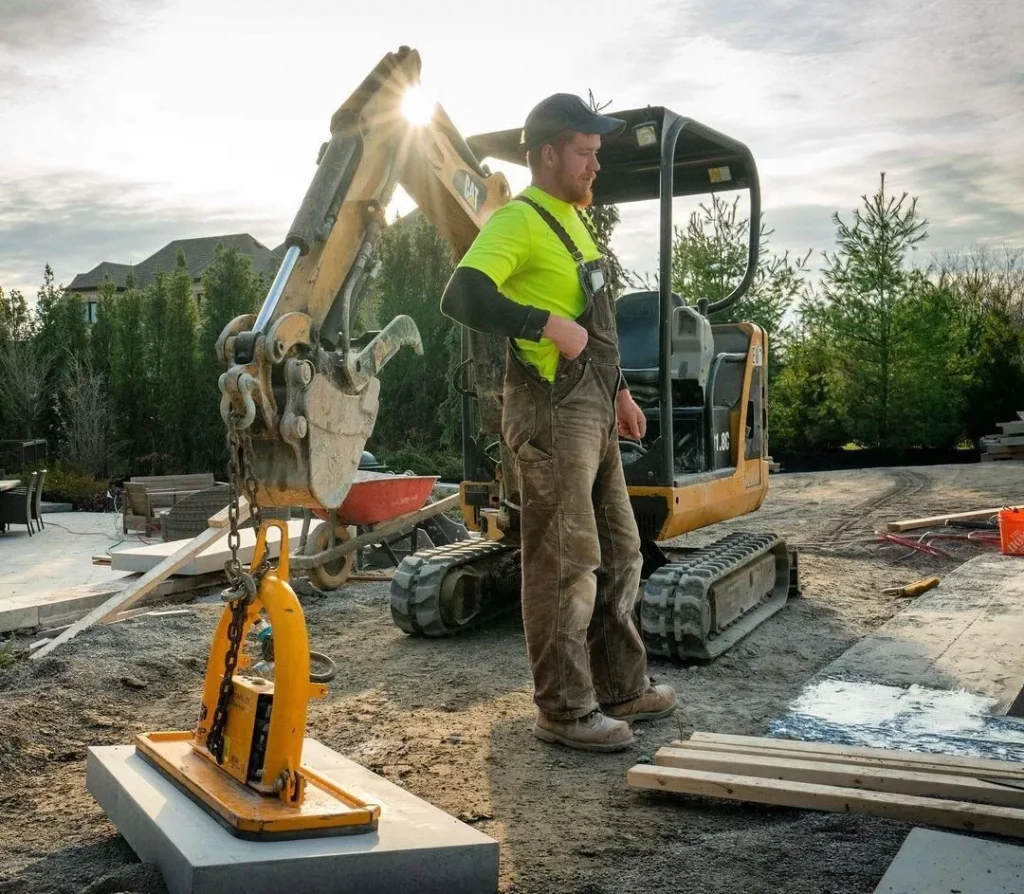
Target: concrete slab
932, 862
967, 633
938, 677
59, 556
60, 607
212, 559
416, 847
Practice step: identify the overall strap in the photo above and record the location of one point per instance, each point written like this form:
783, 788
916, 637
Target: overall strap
550, 220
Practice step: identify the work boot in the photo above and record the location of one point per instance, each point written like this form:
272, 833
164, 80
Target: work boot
658, 701
595, 732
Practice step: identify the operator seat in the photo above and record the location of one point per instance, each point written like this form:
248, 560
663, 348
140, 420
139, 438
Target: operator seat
636, 320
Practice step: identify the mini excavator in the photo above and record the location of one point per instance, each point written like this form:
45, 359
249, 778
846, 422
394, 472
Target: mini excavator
299, 398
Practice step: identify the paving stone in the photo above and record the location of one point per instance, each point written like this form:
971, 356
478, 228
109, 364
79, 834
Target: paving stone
416, 847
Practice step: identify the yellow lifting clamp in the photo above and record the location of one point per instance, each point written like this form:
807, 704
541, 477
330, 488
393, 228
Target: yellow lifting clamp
252, 779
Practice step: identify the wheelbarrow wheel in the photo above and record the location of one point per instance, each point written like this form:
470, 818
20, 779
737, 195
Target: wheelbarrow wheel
333, 574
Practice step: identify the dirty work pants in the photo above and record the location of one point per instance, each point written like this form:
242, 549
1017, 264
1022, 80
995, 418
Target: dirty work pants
580, 546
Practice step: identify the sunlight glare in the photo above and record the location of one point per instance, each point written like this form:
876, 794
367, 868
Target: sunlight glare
417, 107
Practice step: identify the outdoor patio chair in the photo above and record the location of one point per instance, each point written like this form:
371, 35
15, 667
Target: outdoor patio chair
37, 500
16, 505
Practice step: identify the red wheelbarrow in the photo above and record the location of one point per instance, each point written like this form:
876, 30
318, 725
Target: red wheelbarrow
378, 506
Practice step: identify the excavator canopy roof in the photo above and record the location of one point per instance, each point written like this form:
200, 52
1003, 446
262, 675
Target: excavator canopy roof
705, 160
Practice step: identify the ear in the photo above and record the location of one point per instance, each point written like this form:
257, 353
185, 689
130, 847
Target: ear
548, 155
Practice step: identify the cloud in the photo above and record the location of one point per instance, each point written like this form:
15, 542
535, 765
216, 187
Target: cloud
29, 25
73, 221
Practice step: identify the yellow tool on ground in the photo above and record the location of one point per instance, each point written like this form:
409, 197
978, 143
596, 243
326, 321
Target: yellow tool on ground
243, 761
915, 589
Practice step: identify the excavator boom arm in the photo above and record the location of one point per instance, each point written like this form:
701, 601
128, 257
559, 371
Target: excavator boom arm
300, 384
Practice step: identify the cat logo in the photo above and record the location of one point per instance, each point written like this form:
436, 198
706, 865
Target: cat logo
471, 190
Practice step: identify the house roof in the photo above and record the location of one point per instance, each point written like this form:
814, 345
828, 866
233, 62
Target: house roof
199, 253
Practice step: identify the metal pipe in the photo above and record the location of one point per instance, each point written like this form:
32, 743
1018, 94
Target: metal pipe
709, 402
276, 289
670, 137
753, 242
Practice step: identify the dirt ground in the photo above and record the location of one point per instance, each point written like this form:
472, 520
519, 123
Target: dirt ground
451, 720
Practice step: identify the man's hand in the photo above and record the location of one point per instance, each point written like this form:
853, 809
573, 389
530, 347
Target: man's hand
632, 422
569, 336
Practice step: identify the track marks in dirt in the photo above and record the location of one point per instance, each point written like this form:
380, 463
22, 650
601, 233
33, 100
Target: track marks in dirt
906, 483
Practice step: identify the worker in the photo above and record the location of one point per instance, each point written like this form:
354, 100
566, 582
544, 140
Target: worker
535, 275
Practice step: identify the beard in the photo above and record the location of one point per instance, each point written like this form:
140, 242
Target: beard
578, 191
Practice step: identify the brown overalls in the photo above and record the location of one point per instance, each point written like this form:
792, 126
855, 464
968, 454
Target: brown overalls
580, 545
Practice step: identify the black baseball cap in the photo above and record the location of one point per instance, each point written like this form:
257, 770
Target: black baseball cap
565, 111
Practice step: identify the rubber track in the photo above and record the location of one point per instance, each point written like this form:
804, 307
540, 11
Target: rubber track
416, 585
676, 612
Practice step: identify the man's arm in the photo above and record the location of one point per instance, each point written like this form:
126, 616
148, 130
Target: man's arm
472, 298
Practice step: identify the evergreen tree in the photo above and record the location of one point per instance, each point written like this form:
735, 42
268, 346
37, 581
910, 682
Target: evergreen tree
99, 336
63, 340
230, 289
709, 258
180, 409
806, 400
128, 387
873, 309
16, 321
418, 406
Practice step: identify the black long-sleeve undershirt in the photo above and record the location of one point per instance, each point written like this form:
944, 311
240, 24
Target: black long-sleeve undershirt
472, 298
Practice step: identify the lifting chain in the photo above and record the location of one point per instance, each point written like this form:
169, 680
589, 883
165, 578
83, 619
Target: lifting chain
242, 585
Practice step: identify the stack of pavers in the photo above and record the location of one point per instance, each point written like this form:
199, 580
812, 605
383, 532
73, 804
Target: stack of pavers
1007, 445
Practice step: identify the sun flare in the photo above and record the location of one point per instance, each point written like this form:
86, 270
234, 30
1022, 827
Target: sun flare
417, 106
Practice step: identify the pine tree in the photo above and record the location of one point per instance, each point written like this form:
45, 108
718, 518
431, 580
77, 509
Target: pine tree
62, 340
418, 406
180, 409
709, 258
872, 313
230, 289
128, 386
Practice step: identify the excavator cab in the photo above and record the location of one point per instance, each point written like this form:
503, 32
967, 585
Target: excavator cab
701, 386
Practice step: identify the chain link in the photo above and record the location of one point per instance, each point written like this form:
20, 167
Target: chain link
242, 586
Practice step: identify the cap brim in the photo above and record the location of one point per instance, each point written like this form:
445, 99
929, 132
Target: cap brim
603, 125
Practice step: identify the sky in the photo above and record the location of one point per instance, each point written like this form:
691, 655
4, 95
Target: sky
125, 124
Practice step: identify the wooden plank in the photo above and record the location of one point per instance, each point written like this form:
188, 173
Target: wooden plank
121, 601
912, 523
869, 778
894, 763
963, 765
984, 818
220, 520
1012, 428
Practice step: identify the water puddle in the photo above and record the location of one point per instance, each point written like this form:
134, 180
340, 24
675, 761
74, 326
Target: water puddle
845, 712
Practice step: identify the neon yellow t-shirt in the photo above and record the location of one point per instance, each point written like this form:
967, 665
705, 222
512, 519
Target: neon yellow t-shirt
529, 264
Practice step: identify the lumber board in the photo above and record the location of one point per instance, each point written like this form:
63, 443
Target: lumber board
868, 778
961, 764
985, 818
109, 609
895, 763
220, 519
911, 524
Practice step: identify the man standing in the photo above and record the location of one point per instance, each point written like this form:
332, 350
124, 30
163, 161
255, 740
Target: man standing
535, 275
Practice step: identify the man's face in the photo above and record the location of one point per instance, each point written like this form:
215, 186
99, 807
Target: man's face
576, 167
